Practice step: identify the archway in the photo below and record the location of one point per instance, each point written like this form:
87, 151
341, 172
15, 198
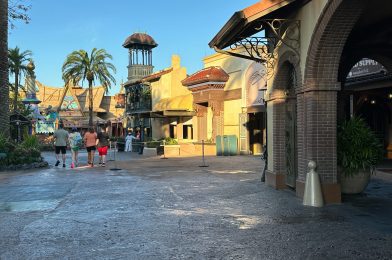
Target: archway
343, 34
367, 93
283, 124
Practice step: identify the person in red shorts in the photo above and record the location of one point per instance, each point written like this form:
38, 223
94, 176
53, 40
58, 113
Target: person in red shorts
103, 145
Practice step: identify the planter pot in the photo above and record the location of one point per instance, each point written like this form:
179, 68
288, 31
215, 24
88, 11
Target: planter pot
149, 152
172, 150
354, 184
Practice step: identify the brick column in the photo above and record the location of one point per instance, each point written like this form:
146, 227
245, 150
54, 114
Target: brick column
317, 128
276, 175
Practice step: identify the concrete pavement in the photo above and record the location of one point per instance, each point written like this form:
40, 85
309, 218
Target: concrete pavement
174, 209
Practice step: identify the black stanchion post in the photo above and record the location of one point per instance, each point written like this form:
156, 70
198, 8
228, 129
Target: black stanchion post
115, 161
164, 156
202, 150
111, 152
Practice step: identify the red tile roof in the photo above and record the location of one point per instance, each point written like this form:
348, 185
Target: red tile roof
210, 74
262, 6
156, 75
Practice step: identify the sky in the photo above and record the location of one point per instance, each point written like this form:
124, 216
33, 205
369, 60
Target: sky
183, 27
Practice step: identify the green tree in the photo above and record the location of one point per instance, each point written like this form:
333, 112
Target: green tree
18, 67
80, 66
4, 89
17, 11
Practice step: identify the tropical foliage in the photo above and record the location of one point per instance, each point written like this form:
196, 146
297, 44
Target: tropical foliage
170, 141
358, 147
80, 66
26, 152
17, 66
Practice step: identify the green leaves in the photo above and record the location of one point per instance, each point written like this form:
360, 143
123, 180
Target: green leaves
17, 59
80, 66
358, 147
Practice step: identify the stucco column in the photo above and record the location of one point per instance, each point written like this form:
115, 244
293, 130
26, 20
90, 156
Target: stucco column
180, 134
317, 127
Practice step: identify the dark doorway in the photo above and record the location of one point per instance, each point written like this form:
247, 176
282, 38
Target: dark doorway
256, 128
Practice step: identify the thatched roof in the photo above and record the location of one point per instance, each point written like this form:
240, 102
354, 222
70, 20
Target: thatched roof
51, 96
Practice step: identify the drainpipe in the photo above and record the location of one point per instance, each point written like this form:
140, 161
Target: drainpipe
265, 152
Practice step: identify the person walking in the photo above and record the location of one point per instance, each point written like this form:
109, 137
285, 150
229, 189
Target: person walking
60, 143
103, 145
90, 141
128, 141
75, 142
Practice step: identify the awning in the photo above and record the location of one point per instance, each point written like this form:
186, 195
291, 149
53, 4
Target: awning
180, 103
243, 23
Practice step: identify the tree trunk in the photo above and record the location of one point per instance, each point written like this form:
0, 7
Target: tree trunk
4, 90
16, 90
90, 104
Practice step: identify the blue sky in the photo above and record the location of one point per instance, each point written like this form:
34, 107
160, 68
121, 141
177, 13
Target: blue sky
181, 27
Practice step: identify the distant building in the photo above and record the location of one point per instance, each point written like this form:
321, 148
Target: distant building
156, 103
72, 106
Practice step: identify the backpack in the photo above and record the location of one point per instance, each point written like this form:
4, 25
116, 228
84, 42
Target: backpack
78, 141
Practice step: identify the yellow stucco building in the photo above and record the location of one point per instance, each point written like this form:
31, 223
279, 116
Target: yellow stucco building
228, 97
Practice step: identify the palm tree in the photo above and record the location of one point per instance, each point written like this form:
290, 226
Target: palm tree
4, 90
80, 66
17, 67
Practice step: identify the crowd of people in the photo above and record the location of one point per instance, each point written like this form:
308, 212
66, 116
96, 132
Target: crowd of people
91, 140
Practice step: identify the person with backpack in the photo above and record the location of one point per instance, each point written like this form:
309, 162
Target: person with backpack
75, 143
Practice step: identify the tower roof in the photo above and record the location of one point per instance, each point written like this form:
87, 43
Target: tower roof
140, 39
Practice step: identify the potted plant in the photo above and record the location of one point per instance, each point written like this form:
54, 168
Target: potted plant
359, 150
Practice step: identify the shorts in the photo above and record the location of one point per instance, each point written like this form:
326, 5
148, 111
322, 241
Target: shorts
60, 148
75, 149
103, 150
91, 148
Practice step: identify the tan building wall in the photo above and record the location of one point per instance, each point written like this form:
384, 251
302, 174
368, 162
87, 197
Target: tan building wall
231, 117
237, 89
169, 84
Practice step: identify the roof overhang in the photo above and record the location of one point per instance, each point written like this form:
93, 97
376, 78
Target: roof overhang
243, 23
178, 113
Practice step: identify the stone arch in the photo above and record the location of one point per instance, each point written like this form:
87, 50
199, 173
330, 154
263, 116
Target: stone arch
288, 58
254, 76
328, 40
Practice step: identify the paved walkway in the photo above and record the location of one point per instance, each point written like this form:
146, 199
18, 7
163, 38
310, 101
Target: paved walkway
174, 209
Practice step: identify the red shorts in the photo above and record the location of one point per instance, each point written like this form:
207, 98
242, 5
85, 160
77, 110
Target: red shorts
103, 150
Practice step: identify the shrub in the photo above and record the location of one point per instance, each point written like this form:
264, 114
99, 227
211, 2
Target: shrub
153, 144
170, 141
26, 152
31, 141
6, 145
